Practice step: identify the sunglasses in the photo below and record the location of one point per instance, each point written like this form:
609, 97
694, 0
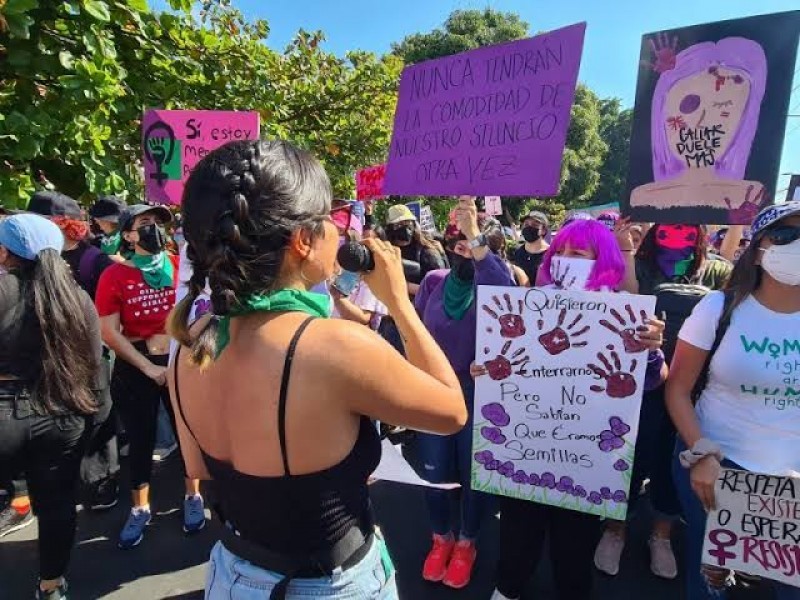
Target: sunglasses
783, 234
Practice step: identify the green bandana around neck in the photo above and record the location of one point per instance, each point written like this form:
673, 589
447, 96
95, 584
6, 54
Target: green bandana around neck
458, 296
286, 300
109, 244
682, 266
157, 269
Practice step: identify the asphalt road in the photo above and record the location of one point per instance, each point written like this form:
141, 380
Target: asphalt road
169, 565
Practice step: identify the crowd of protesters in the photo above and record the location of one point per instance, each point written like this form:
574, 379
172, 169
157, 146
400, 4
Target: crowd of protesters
195, 330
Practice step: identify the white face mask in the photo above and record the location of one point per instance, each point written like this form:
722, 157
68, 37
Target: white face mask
571, 273
783, 263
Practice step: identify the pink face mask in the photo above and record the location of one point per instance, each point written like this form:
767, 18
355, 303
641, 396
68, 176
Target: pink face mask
677, 237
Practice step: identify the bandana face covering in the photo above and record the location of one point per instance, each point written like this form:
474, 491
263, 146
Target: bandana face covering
571, 273
73, 229
676, 244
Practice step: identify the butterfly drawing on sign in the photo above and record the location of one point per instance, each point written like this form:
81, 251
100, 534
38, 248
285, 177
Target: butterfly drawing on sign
619, 383
628, 329
560, 338
511, 323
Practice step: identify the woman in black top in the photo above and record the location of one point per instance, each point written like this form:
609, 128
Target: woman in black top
267, 396
50, 353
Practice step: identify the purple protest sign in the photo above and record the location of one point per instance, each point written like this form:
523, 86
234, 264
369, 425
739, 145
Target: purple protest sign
491, 121
174, 141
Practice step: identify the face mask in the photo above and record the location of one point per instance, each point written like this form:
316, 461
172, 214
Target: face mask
152, 238
782, 263
677, 237
569, 273
463, 267
403, 234
531, 234
96, 230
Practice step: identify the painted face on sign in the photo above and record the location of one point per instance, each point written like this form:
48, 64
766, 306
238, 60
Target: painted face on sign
703, 113
677, 237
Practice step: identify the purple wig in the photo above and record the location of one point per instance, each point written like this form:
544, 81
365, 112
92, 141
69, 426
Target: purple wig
735, 53
609, 270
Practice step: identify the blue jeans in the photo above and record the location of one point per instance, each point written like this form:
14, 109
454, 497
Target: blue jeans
448, 458
695, 514
232, 578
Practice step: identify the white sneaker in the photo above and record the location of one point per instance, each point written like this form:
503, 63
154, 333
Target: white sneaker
662, 559
161, 454
498, 596
608, 552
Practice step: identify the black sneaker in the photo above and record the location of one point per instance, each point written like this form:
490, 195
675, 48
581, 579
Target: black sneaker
11, 520
60, 593
104, 495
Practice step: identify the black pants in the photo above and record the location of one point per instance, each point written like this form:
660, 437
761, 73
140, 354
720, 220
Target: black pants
572, 536
49, 450
137, 398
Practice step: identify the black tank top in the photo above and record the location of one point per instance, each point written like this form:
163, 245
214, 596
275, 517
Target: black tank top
297, 514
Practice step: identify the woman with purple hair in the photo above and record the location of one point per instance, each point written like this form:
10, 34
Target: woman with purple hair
704, 117
583, 256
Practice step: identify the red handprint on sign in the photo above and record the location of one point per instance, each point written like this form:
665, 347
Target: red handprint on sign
500, 367
628, 332
511, 324
746, 213
619, 384
559, 339
665, 53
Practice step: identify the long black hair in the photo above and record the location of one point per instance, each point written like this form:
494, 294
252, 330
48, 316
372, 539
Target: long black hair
68, 369
241, 204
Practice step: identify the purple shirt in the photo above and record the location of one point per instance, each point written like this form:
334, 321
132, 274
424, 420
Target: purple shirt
457, 338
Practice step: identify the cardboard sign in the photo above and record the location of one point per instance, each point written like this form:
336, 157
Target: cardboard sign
369, 182
426, 222
488, 121
174, 141
709, 120
493, 205
756, 526
557, 412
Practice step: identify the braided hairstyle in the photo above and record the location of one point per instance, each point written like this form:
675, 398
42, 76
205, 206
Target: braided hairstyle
241, 205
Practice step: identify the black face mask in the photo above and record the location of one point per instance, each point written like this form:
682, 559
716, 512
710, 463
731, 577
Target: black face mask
531, 234
152, 238
95, 229
402, 234
462, 267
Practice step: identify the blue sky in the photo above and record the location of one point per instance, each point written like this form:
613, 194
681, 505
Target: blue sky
611, 50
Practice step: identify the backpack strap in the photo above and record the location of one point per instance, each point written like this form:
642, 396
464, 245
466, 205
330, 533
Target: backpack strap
722, 328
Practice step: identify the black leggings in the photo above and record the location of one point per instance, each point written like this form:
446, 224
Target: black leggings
49, 449
137, 398
572, 535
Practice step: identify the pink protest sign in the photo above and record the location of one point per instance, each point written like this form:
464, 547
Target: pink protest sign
488, 121
174, 141
369, 182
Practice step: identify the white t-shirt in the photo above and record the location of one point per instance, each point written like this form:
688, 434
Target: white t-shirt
363, 298
202, 303
751, 405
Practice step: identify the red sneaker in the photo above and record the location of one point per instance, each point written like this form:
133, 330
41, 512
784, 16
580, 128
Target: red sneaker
436, 563
459, 571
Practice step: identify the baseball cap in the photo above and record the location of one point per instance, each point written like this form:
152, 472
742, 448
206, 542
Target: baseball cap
27, 235
773, 214
539, 217
399, 213
108, 208
128, 216
54, 204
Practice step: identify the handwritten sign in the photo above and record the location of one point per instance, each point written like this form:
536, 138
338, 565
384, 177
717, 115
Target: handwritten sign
426, 222
369, 182
557, 411
756, 526
493, 205
489, 121
174, 141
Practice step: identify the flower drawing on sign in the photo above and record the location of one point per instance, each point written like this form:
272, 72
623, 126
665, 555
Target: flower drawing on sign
501, 367
620, 496
506, 469
559, 339
493, 434
202, 306
619, 383
496, 414
547, 480
628, 328
565, 484
511, 323
614, 437
520, 477
484, 457
605, 493
595, 498
621, 465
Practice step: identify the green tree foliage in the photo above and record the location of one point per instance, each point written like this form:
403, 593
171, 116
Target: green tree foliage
615, 129
76, 76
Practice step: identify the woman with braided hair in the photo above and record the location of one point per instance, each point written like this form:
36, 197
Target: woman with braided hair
134, 299
270, 403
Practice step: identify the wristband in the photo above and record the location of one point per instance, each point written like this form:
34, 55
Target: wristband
698, 452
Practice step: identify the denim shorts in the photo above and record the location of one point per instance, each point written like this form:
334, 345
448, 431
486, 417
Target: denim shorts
232, 578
